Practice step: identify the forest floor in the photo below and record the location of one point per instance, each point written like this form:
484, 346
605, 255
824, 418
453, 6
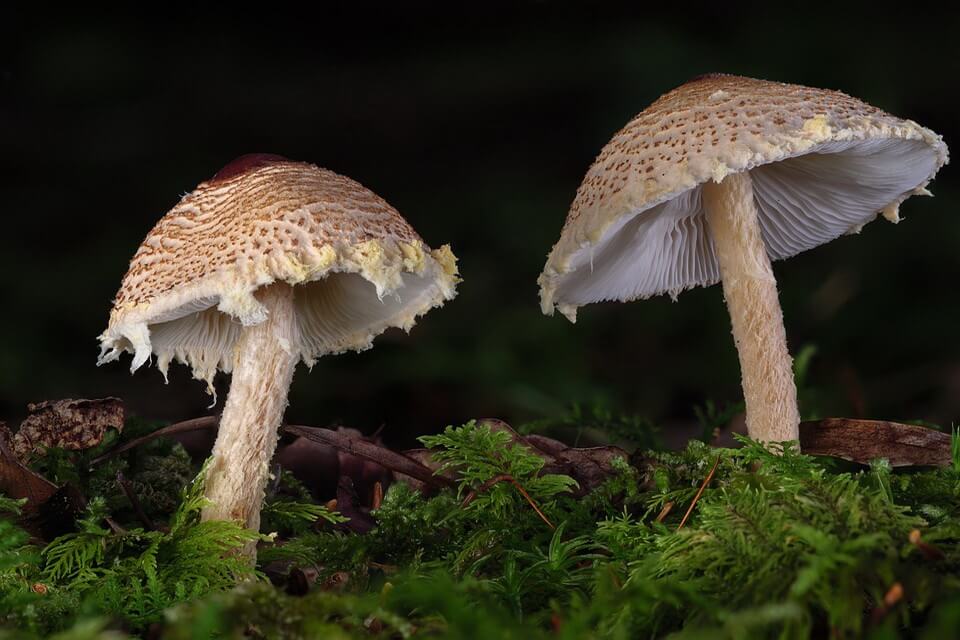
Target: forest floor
485, 532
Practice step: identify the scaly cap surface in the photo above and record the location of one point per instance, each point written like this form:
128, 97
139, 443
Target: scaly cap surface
823, 164
360, 267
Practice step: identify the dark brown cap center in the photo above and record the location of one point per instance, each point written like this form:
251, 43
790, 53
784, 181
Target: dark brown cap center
246, 163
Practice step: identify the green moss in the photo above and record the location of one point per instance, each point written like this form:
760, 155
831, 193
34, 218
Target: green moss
784, 546
131, 574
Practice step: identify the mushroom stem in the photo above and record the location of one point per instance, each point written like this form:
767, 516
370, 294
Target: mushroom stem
750, 290
247, 437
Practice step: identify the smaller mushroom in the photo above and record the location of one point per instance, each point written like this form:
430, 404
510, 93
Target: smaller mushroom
713, 181
270, 263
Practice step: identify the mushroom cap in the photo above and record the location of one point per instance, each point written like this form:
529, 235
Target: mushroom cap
822, 164
359, 266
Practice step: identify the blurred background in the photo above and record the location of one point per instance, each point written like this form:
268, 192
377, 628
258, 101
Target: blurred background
478, 126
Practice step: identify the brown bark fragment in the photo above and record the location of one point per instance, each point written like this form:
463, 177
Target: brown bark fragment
904, 445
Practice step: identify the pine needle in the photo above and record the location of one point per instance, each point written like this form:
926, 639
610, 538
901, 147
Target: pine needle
507, 478
696, 498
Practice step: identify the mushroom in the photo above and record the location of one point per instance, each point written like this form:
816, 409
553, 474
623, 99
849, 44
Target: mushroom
713, 181
269, 263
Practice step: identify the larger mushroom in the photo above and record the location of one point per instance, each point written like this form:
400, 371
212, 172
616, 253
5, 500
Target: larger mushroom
270, 263
713, 181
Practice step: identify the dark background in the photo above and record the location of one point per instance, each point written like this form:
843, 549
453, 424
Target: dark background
478, 127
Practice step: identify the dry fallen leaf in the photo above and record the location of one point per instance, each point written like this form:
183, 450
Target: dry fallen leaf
16, 480
67, 424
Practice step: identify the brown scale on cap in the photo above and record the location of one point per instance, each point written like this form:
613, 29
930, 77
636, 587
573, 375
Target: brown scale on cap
700, 132
705, 119
257, 206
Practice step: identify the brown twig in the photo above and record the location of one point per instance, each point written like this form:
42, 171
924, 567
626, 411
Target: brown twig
929, 551
370, 451
115, 526
890, 599
505, 477
360, 448
667, 508
195, 424
696, 498
134, 501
